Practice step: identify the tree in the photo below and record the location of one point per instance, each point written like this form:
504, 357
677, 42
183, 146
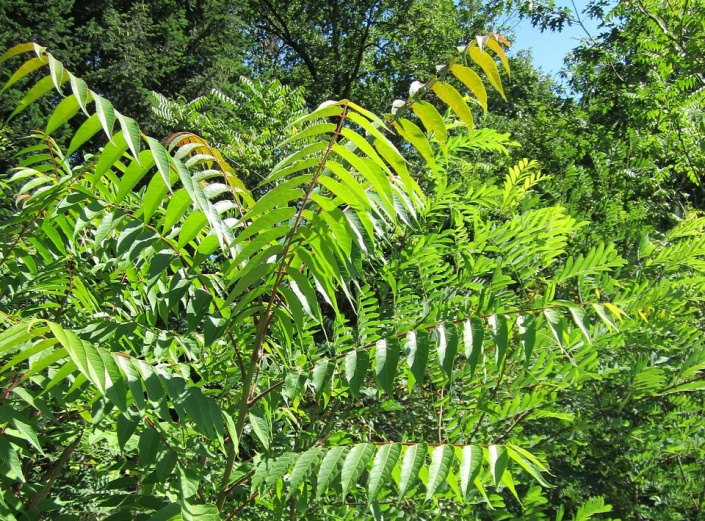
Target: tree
371, 48
644, 76
127, 49
337, 340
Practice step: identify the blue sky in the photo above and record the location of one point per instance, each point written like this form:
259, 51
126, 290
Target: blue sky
549, 48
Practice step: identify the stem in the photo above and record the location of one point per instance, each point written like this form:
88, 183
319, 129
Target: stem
52, 473
370, 345
249, 383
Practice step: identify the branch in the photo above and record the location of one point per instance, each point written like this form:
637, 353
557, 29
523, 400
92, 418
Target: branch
51, 474
249, 383
428, 327
288, 39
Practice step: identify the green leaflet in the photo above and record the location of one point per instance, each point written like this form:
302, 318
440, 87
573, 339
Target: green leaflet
62, 113
372, 173
355, 464
299, 155
85, 356
473, 336
86, 131
106, 114
498, 459
527, 334
110, 157
349, 182
330, 468
600, 310
499, 332
497, 48
386, 360
385, 461
431, 119
199, 512
387, 150
263, 223
327, 109
278, 469
580, 319
10, 466
125, 430
56, 69
171, 512
594, 505
303, 467
148, 447
161, 159
191, 227
416, 348
153, 197
441, 462
470, 467
40, 88
261, 426
446, 339
556, 321
188, 482
80, 91
131, 132
22, 48
413, 134
135, 172
356, 364
414, 457
530, 465
321, 376
365, 147
25, 69
304, 292
281, 195
313, 130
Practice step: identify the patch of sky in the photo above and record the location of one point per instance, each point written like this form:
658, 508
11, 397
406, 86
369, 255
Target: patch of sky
549, 48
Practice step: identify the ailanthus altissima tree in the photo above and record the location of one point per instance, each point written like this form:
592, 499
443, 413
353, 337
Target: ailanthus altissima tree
352, 337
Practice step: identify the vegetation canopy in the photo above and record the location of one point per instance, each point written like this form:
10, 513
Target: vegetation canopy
347, 316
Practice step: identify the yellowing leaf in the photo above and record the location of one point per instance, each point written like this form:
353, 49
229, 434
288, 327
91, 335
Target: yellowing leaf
488, 65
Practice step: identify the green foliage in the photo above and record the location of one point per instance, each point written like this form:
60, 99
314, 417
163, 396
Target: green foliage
357, 334
246, 128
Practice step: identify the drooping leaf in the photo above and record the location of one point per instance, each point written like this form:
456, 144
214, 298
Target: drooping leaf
472, 81
303, 467
356, 364
446, 338
416, 348
527, 334
384, 462
470, 467
431, 119
330, 468
441, 462
455, 101
488, 65
355, 464
473, 336
498, 458
386, 360
413, 460
260, 425
499, 332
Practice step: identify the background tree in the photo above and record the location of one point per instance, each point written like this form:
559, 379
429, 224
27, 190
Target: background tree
127, 49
